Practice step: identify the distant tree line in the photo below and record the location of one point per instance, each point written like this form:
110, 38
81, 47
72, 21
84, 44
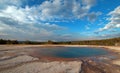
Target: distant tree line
112, 42
8, 41
106, 42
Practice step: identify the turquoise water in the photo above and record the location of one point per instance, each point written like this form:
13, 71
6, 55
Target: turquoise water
71, 52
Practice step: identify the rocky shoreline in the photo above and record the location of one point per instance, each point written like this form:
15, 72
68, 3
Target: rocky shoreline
16, 59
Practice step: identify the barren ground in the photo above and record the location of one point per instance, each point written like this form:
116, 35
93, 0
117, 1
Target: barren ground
16, 59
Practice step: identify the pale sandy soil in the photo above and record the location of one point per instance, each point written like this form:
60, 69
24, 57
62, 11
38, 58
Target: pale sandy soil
49, 67
28, 64
14, 59
117, 62
4, 47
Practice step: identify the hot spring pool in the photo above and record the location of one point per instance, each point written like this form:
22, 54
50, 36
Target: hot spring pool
70, 52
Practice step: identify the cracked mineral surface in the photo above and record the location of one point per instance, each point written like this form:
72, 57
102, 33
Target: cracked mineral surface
17, 59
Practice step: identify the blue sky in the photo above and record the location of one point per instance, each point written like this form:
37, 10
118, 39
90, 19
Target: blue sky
59, 20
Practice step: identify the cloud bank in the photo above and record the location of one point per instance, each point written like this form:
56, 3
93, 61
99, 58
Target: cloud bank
19, 20
114, 20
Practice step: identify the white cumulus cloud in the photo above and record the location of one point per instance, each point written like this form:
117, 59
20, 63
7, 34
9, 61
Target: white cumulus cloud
65, 9
29, 21
114, 20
